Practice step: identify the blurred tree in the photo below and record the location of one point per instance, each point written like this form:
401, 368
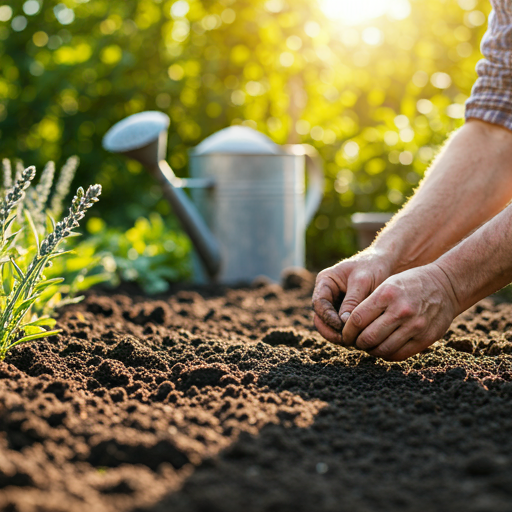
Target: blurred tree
376, 99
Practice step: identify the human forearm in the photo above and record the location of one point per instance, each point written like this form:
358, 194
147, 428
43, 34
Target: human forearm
468, 184
482, 263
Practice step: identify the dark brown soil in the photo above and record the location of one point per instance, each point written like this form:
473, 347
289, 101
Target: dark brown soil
228, 400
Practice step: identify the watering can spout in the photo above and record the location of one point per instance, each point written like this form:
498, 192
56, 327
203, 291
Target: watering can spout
143, 137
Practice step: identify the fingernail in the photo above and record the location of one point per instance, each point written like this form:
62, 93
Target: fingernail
344, 318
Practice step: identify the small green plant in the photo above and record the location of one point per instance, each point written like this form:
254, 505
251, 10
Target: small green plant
151, 253
81, 268
24, 258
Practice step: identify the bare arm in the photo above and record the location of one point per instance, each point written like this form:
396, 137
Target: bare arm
470, 182
482, 263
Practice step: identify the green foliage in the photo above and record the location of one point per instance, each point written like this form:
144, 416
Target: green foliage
23, 258
82, 268
150, 253
376, 99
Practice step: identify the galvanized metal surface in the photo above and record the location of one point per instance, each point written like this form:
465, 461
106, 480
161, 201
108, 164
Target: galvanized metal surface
256, 212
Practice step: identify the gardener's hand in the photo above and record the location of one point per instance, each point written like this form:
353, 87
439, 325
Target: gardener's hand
339, 289
404, 315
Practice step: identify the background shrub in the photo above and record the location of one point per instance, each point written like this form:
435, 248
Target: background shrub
376, 99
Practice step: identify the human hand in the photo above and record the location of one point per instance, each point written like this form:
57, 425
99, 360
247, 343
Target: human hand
404, 315
340, 288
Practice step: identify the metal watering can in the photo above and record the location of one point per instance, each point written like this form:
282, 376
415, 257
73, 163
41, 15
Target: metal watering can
249, 210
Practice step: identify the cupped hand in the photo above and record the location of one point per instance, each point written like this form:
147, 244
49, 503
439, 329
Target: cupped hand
341, 288
404, 315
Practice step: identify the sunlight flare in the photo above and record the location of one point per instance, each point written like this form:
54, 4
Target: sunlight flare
352, 13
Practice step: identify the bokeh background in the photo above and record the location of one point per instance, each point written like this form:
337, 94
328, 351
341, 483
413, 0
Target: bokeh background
375, 85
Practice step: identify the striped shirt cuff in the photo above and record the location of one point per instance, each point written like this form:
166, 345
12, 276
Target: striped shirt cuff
490, 101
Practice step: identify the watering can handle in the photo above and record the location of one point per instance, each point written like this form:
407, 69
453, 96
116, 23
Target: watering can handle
315, 190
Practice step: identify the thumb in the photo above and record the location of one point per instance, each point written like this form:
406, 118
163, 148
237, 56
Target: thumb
358, 289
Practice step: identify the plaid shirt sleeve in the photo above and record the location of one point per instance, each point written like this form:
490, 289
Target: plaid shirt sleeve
491, 96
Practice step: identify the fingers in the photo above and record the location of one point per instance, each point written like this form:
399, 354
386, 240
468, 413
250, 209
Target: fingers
327, 291
360, 318
378, 332
328, 333
358, 288
412, 347
325, 310
392, 344
411, 337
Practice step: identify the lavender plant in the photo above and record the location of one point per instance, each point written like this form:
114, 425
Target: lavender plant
12, 198
7, 173
23, 288
19, 169
38, 196
40, 209
63, 186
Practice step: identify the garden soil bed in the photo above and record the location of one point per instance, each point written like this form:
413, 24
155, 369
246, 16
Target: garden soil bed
215, 399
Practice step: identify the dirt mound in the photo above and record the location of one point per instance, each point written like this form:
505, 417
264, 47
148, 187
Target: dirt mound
214, 399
